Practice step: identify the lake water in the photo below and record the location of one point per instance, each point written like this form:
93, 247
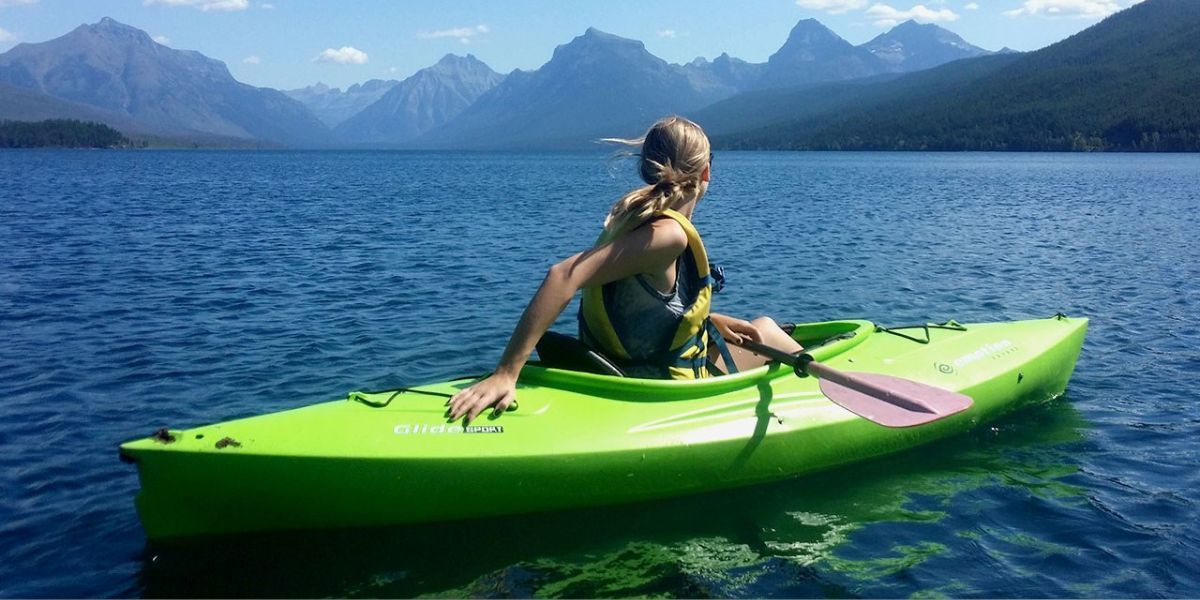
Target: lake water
140, 289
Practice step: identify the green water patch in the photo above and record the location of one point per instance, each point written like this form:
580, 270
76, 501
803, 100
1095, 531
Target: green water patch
700, 567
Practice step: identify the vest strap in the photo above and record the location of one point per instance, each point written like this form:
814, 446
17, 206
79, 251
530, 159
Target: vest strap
722, 347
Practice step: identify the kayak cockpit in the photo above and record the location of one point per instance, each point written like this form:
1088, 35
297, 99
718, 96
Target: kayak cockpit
567, 363
561, 351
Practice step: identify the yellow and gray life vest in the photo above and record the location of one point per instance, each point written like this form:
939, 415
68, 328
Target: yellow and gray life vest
687, 355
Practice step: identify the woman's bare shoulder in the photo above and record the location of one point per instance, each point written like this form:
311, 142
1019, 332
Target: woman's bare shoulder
665, 233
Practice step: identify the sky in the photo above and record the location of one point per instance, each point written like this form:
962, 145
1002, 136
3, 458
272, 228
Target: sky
288, 44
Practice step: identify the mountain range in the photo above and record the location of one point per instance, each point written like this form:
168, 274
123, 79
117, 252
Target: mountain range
909, 87
601, 85
119, 69
596, 85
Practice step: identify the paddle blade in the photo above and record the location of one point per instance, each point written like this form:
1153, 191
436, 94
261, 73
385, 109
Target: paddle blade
892, 401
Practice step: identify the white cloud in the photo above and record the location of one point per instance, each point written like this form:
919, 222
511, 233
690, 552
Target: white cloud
462, 34
346, 55
972, 6
668, 33
162, 39
1082, 9
5, 36
887, 16
4, 3
833, 7
252, 60
204, 5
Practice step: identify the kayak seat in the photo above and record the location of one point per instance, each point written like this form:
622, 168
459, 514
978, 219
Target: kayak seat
560, 351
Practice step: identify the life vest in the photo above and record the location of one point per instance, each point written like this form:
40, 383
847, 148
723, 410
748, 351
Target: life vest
687, 356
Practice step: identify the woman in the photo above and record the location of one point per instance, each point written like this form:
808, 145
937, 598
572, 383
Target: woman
647, 285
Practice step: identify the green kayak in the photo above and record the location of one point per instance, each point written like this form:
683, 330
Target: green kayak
581, 439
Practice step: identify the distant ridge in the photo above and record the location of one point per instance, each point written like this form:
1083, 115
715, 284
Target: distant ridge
430, 98
723, 77
333, 106
119, 69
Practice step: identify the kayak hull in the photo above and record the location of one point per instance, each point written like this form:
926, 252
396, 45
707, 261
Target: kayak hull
579, 439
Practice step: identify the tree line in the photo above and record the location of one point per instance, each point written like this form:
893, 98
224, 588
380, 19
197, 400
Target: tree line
61, 133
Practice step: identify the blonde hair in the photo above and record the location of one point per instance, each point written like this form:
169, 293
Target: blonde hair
674, 154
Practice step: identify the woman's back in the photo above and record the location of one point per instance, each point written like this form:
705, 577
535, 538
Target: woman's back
645, 318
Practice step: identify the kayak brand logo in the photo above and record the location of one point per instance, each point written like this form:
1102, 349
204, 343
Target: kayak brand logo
443, 429
990, 350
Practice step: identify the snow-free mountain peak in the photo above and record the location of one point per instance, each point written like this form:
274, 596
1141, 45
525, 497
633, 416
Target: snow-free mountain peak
813, 54
109, 26
424, 101
912, 46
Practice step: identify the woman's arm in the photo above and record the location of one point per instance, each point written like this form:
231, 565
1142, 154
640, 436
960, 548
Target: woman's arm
647, 249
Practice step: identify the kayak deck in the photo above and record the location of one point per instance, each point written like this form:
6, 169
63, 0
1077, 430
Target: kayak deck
579, 439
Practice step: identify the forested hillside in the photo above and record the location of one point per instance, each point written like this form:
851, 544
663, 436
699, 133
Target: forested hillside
1130, 83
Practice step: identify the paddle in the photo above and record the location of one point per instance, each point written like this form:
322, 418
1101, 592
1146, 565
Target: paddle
886, 400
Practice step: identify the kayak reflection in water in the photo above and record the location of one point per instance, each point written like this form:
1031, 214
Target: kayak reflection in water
647, 284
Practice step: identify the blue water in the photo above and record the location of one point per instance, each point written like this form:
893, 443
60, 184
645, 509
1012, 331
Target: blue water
142, 289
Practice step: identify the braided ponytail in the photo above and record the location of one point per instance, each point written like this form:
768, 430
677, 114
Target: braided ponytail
674, 154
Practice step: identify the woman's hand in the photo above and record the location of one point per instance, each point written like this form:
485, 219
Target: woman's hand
736, 330
498, 390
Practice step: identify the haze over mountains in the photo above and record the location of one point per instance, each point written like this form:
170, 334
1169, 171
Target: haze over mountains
601, 85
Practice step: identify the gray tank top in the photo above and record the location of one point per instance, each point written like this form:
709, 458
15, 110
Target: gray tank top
645, 319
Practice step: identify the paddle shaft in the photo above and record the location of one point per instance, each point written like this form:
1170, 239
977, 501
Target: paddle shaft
803, 363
